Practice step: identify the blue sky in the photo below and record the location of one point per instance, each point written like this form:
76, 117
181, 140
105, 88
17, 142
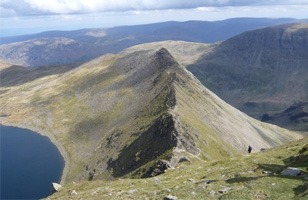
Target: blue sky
31, 16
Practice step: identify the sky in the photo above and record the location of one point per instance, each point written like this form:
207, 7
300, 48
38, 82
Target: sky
19, 17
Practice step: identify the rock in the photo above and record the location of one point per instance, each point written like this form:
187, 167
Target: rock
262, 149
156, 180
224, 190
192, 180
207, 181
56, 187
184, 159
170, 197
267, 172
193, 193
132, 191
74, 192
212, 192
291, 171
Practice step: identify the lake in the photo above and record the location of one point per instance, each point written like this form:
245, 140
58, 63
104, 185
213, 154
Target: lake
29, 164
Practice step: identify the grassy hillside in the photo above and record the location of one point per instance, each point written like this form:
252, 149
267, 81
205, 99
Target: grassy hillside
243, 175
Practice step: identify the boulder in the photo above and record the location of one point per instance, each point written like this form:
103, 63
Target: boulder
74, 192
170, 197
156, 180
267, 172
132, 191
207, 181
56, 187
224, 190
291, 171
192, 180
184, 159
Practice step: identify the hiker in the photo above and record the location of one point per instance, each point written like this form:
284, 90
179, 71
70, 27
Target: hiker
249, 149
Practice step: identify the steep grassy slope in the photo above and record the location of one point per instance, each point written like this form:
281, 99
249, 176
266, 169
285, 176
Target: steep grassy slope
244, 175
132, 114
259, 71
66, 47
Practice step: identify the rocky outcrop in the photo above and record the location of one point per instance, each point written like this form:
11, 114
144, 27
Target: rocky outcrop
56, 187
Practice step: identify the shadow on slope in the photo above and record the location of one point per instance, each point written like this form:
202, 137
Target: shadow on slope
275, 170
162, 137
18, 75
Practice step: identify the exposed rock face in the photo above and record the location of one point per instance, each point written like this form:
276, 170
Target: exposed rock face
259, 71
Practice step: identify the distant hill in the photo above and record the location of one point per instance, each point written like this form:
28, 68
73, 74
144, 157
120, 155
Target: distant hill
63, 47
258, 71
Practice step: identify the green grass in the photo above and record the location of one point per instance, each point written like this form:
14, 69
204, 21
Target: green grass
243, 174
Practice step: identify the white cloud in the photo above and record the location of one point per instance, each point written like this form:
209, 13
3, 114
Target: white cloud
54, 7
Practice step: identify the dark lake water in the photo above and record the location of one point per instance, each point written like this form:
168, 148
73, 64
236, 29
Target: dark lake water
29, 164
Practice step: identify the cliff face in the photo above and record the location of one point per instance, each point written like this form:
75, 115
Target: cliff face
133, 114
259, 71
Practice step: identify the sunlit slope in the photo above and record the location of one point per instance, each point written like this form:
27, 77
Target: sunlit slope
242, 177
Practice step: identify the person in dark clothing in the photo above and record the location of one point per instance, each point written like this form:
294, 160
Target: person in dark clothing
249, 149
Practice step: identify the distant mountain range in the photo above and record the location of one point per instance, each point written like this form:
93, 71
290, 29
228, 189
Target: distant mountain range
63, 47
260, 71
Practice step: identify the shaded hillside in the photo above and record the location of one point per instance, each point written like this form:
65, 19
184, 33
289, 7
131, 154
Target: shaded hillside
12, 75
62, 47
259, 71
295, 117
133, 114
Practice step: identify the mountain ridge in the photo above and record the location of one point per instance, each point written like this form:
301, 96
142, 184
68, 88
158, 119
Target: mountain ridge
111, 111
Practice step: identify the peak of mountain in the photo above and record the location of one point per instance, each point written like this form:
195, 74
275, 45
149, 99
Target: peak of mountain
133, 114
258, 71
63, 47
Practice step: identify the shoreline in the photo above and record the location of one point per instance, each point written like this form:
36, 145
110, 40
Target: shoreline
52, 138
